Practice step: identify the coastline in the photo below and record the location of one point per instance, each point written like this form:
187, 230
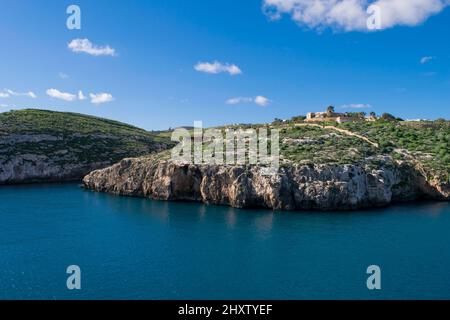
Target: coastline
294, 188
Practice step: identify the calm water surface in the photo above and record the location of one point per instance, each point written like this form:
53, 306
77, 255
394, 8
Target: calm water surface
141, 249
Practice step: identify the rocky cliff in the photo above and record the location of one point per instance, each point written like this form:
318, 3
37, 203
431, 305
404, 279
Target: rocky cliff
294, 187
45, 146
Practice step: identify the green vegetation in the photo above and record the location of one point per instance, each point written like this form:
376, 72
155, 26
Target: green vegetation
73, 138
50, 122
301, 144
427, 142
423, 143
314, 145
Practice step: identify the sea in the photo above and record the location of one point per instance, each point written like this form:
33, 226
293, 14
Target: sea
59, 241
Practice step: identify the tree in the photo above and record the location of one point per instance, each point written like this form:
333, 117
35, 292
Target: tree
388, 117
277, 121
298, 118
361, 114
330, 109
373, 114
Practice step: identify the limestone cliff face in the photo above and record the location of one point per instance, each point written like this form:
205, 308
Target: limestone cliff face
27, 168
295, 187
47, 146
57, 158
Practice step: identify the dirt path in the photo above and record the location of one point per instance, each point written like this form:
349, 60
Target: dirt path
344, 131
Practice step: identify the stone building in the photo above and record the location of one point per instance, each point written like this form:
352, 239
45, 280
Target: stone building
331, 116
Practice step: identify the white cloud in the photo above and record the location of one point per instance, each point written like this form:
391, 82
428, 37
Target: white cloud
262, 101
96, 98
6, 93
356, 106
258, 100
427, 59
86, 46
100, 98
54, 93
351, 15
217, 67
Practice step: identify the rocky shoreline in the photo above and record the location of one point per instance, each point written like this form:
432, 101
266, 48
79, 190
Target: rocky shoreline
45, 146
323, 168
65, 163
295, 187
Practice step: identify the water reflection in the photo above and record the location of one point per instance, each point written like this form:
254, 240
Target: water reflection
264, 224
263, 219
230, 218
435, 209
202, 212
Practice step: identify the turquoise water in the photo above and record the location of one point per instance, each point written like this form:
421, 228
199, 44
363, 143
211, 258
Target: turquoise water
131, 248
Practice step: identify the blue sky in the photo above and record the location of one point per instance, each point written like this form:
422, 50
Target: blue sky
298, 66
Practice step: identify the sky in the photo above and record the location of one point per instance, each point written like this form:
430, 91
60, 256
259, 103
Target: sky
166, 63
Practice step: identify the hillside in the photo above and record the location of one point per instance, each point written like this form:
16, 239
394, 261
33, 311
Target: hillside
324, 166
424, 142
39, 145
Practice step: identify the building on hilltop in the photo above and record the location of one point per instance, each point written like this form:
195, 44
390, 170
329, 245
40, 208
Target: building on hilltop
372, 117
331, 116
